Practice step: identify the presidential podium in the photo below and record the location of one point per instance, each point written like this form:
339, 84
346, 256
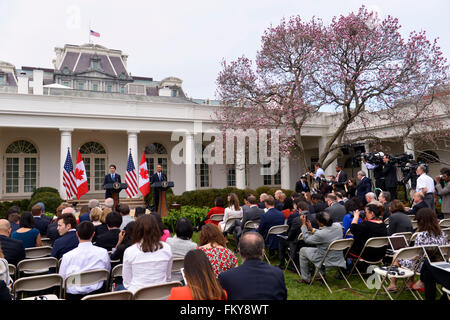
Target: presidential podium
115, 189
162, 203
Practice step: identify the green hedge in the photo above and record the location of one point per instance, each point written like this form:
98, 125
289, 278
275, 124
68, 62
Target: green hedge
44, 189
5, 205
48, 196
194, 214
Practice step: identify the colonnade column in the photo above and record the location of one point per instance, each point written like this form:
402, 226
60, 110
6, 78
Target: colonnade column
66, 144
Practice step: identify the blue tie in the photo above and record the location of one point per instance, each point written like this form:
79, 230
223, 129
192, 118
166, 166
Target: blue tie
112, 176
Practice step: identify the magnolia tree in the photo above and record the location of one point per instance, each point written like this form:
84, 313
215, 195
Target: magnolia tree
359, 66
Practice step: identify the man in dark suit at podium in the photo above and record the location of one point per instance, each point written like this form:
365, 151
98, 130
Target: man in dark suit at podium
158, 176
111, 178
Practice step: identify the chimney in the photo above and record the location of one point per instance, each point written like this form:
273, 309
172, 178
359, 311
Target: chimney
22, 80
38, 82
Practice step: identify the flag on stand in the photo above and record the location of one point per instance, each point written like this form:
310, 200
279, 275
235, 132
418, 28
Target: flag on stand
93, 33
69, 182
144, 182
81, 177
130, 178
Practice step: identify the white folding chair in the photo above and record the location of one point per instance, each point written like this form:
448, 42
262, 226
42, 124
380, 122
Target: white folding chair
47, 242
445, 251
412, 217
116, 295
38, 252
216, 217
12, 271
251, 224
36, 266
447, 233
282, 228
115, 273
409, 253
230, 221
85, 278
407, 235
444, 223
177, 264
37, 283
156, 292
413, 238
336, 245
375, 242
414, 224
348, 233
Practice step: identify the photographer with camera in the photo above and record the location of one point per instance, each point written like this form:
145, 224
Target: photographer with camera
390, 176
444, 192
425, 185
374, 161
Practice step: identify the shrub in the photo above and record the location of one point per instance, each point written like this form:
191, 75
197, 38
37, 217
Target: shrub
194, 214
44, 189
5, 205
49, 199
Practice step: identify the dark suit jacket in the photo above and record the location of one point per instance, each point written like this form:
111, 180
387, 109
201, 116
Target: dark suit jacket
67, 242
13, 249
319, 206
108, 240
399, 222
299, 187
41, 223
341, 180
254, 280
52, 231
84, 217
337, 212
99, 230
364, 186
252, 213
154, 177
390, 175
417, 207
272, 217
108, 180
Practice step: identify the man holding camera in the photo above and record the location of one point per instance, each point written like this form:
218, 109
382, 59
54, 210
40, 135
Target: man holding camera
390, 176
444, 192
374, 162
425, 185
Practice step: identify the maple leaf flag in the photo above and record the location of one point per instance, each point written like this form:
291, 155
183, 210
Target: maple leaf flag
144, 182
81, 177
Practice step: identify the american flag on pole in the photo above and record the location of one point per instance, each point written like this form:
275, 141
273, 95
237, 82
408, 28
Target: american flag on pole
130, 178
93, 33
69, 182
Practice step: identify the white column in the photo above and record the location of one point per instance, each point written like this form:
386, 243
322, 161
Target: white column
408, 146
190, 162
331, 169
285, 173
240, 170
133, 145
363, 165
66, 143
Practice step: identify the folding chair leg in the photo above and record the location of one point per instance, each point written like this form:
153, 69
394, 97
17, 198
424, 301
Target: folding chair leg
324, 281
345, 278
265, 255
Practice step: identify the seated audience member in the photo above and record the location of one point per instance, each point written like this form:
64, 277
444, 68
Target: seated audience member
124, 211
370, 196
41, 221
245, 206
138, 211
398, 220
84, 212
84, 257
318, 203
148, 260
11, 210
30, 236
287, 208
123, 242
109, 203
350, 207
108, 240
95, 215
302, 185
181, 243
5, 279
272, 217
52, 229
276, 196
279, 205
13, 250
67, 229
93, 203
217, 209
321, 239
431, 276
253, 279
232, 211
340, 198
429, 233
165, 233
308, 199
253, 213
385, 199
418, 203
335, 209
102, 228
14, 220
372, 226
262, 198
202, 283
214, 243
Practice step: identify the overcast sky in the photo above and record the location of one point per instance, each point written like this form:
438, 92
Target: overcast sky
186, 39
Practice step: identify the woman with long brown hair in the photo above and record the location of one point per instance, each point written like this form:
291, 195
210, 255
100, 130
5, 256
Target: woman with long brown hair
202, 283
234, 210
214, 244
148, 260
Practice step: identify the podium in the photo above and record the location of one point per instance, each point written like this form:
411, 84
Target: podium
115, 189
162, 203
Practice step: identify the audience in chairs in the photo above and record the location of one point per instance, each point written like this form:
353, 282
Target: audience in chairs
5, 294
27, 233
85, 257
202, 283
232, 211
254, 279
181, 243
68, 240
124, 211
398, 220
214, 244
52, 229
124, 240
321, 239
217, 209
272, 217
253, 213
13, 249
41, 221
165, 233
148, 260
108, 240
429, 233
95, 215
350, 207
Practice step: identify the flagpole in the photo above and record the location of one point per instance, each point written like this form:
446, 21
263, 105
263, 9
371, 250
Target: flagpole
89, 31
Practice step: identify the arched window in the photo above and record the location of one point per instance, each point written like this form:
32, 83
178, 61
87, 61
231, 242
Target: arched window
94, 157
21, 168
156, 153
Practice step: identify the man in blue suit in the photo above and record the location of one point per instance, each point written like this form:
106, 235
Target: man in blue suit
158, 176
67, 229
111, 178
363, 187
41, 221
272, 217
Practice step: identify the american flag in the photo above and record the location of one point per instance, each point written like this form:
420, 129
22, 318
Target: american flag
130, 178
69, 181
93, 33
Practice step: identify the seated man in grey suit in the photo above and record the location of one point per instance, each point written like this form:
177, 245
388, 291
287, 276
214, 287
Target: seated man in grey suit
327, 233
335, 209
253, 213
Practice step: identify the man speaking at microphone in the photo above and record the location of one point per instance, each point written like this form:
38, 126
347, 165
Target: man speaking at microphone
111, 178
158, 176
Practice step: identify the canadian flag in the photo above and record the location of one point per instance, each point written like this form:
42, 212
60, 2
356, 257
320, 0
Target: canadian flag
144, 183
81, 177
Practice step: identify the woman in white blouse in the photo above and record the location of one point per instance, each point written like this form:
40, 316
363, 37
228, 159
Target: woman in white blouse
148, 261
233, 211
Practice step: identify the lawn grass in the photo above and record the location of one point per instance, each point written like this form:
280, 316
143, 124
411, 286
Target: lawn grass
318, 290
